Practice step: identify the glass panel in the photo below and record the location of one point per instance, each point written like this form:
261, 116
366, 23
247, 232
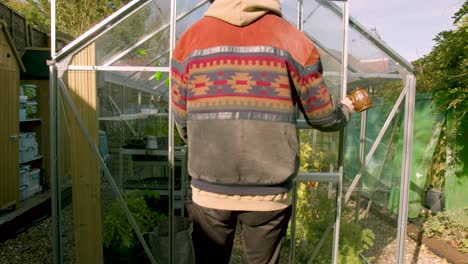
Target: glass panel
366, 57
135, 122
315, 217
319, 151
328, 39
64, 179
381, 192
375, 199
289, 10
183, 8
324, 147
131, 137
137, 39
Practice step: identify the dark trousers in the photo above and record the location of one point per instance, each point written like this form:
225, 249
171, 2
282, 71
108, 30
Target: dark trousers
214, 232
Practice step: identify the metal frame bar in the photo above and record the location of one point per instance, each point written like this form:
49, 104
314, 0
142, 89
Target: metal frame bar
344, 86
115, 68
54, 143
406, 167
292, 241
362, 154
170, 153
56, 198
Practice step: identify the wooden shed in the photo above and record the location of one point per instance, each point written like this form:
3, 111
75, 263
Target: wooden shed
10, 67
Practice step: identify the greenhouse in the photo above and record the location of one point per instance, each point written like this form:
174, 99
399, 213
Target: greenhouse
119, 168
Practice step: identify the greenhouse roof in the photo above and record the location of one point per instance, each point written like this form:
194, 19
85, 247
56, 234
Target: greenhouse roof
138, 36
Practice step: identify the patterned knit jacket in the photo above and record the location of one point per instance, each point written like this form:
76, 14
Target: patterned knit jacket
235, 91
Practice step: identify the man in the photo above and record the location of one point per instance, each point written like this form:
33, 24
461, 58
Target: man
238, 76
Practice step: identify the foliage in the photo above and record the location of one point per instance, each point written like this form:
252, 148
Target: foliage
159, 127
436, 172
73, 17
451, 226
316, 211
118, 231
444, 71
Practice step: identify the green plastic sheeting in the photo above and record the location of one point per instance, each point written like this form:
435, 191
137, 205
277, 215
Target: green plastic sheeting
373, 177
456, 176
427, 127
382, 176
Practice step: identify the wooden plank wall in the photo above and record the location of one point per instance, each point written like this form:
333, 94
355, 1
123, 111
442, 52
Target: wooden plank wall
9, 115
86, 195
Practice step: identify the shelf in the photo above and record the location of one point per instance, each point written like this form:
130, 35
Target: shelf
31, 120
130, 116
34, 159
179, 152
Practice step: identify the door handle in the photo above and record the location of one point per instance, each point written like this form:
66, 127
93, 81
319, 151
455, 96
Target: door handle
14, 137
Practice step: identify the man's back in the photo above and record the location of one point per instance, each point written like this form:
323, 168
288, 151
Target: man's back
238, 77
237, 91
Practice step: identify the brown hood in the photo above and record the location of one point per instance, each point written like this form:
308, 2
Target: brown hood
242, 12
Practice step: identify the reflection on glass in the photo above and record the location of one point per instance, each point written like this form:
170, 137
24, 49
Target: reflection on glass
126, 37
120, 241
319, 151
316, 208
133, 117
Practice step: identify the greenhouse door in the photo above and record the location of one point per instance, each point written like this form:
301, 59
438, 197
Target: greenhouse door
317, 190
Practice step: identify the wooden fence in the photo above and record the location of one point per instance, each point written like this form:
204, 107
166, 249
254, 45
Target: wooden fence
25, 35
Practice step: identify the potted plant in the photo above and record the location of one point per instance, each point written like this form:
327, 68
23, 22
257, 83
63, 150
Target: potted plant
158, 128
433, 193
120, 240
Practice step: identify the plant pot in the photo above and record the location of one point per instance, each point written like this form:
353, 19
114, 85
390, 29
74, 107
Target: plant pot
434, 201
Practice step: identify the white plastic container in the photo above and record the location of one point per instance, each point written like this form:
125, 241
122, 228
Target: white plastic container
23, 192
28, 139
22, 114
34, 182
29, 153
24, 175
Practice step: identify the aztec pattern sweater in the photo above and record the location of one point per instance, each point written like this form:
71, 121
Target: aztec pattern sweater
235, 91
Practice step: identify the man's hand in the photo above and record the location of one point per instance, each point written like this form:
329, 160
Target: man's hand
346, 101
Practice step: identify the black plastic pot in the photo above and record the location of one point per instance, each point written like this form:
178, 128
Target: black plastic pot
434, 201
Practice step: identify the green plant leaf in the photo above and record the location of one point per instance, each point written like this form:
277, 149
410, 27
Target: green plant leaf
143, 52
158, 76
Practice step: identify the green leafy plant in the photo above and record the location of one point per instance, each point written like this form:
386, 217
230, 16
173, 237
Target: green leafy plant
118, 232
451, 226
159, 127
444, 70
316, 212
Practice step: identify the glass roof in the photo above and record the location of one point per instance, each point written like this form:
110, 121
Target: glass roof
138, 35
